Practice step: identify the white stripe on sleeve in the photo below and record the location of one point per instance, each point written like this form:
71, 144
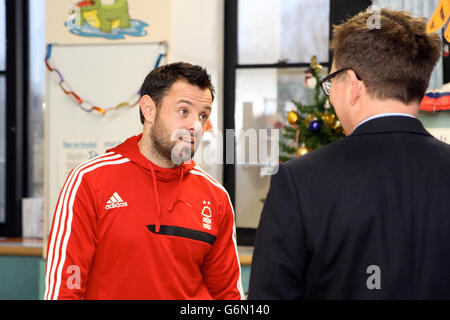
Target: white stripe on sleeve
60, 217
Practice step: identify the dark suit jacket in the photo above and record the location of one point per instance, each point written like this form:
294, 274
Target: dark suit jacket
366, 217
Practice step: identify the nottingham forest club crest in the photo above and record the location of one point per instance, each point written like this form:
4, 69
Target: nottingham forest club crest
206, 213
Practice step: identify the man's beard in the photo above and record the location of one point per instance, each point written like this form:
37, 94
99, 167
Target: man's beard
168, 144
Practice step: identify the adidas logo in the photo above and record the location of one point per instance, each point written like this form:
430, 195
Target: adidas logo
115, 202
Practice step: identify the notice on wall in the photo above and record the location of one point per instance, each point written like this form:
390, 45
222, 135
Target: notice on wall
77, 151
442, 134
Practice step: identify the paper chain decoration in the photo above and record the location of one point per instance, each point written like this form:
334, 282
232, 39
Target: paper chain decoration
85, 105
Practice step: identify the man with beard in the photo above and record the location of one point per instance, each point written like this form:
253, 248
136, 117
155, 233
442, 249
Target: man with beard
143, 221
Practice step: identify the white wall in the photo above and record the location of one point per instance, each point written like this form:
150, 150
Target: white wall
197, 36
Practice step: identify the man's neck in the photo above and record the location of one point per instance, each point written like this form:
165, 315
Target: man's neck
379, 107
146, 148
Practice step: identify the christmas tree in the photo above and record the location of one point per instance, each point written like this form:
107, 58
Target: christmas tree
310, 126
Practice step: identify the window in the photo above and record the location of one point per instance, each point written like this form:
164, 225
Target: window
268, 48
36, 96
273, 42
13, 100
284, 30
2, 37
22, 90
2, 108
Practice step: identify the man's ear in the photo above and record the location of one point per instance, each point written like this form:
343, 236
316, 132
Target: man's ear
356, 86
148, 108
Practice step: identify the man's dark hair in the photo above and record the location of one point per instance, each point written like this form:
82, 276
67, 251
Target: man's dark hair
160, 80
394, 59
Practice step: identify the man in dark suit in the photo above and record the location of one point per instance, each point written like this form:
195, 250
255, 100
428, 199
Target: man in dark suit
366, 217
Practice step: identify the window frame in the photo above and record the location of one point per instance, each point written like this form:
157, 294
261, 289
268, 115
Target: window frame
339, 10
17, 178
3, 75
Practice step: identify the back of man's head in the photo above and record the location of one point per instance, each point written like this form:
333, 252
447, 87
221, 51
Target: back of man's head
394, 57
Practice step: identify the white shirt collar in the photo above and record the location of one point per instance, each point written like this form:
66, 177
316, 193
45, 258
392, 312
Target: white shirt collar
382, 115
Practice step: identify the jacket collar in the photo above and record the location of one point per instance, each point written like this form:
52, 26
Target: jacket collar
391, 124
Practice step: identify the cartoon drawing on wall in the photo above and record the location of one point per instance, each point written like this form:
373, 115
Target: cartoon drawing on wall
92, 18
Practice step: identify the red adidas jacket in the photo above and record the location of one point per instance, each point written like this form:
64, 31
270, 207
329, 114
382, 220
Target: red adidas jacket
125, 228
